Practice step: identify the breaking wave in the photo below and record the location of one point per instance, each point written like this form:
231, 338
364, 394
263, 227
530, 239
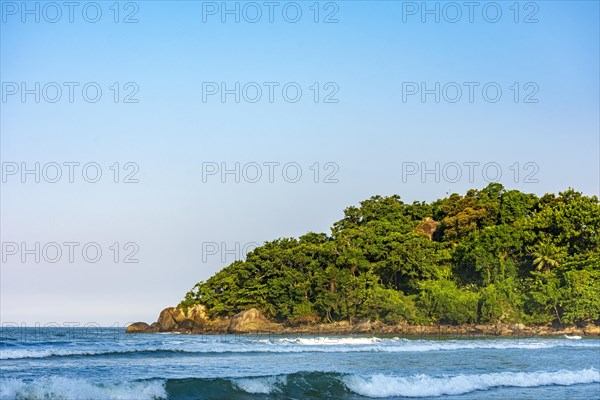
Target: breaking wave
285, 345
298, 385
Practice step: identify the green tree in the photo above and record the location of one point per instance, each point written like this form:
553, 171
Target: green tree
546, 256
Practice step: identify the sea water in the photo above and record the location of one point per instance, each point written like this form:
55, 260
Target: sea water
104, 363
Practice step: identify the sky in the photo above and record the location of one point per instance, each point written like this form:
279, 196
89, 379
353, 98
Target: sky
145, 145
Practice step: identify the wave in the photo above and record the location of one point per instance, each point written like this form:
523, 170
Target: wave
261, 385
283, 345
61, 388
334, 341
297, 385
426, 386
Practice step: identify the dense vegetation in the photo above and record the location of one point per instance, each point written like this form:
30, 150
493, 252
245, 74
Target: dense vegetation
493, 255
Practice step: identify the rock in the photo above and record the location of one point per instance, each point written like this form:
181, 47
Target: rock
378, 326
250, 320
362, 327
518, 327
153, 328
170, 318
138, 327
505, 331
197, 314
186, 326
217, 325
592, 330
427, 227
304, 320
544, 331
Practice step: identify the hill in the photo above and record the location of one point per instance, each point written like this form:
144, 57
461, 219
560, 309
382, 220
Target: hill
493, 255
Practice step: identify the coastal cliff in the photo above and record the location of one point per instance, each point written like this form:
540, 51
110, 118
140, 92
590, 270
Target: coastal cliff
195, 321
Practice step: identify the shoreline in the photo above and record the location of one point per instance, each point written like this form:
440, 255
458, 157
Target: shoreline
195, 322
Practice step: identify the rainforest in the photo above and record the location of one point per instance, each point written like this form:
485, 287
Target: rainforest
491, 255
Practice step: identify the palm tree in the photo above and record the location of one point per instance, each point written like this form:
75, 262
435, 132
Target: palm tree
546, 255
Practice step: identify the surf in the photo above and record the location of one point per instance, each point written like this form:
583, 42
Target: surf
249, 345
297, 385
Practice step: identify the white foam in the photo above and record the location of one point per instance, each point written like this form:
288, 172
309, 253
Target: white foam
60, 388
426, 386
261, 385
295, 345
332, 341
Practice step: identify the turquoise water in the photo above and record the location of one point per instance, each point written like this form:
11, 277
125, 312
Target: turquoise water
105, 363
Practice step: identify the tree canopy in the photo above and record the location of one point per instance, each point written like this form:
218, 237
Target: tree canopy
492, 255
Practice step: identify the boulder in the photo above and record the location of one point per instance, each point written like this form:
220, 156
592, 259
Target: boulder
249, 321
170, 318
197, 313
138, 327
362, 327
186, 326
153, 328
518, 327
217, 325
379, 326
592, 330
504, 331
427, 227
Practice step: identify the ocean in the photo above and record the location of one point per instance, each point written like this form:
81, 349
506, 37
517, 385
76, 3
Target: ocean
105, 363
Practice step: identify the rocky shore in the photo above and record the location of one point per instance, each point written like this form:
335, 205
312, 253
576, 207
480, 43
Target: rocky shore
194, 320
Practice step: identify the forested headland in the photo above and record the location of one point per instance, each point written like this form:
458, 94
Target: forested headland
489, 256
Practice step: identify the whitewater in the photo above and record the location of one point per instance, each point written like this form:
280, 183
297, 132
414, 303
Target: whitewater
108, 364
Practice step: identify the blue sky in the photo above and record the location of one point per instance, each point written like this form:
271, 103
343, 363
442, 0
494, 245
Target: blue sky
367, 57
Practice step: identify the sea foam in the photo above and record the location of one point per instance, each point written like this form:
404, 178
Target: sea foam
332, 341
261, 385
427, 386
60, 388
293, 345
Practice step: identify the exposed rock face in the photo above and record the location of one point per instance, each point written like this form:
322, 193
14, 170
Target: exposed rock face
154, 328
170, 318
138, 327
362, 327
195, 320
427, 227
249, 321
217, 325
197, 314
518, 327
186, 326
592, 330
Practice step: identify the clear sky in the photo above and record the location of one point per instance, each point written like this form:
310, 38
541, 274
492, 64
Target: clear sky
369, 75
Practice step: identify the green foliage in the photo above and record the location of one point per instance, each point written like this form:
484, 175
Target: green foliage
441, 301
496, 256
581, 300
500, 302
